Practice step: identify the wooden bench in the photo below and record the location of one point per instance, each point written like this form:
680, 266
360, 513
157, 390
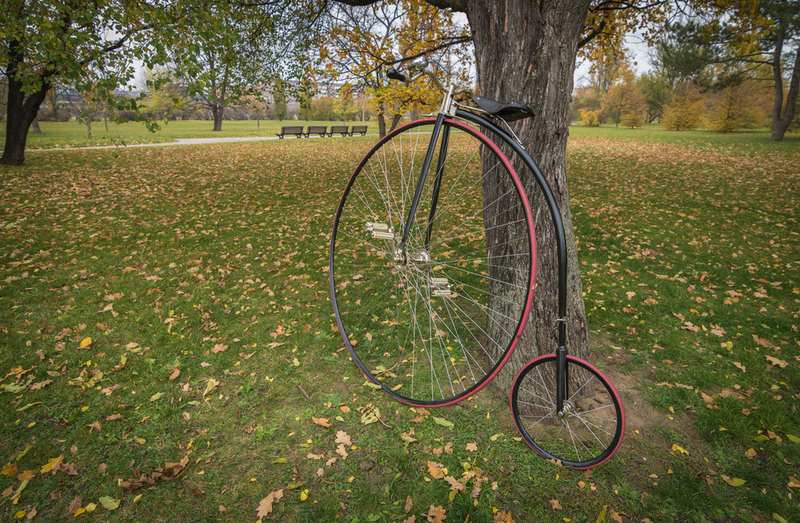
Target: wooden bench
295, 130
339, 129
321, 130
360, 129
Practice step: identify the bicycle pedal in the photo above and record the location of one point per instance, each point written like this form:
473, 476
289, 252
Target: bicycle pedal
441, 287
380, 230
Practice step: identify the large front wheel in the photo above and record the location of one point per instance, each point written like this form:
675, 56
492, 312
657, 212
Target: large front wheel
431, 321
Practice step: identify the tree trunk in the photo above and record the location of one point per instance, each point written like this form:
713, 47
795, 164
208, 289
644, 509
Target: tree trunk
217, 113
526, 51
395, 120
381, 124
20, 113
783, 113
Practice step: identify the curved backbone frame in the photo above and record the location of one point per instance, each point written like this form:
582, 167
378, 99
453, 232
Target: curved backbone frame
555, 213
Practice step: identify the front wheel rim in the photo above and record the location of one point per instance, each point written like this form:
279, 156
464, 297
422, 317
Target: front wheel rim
383, 229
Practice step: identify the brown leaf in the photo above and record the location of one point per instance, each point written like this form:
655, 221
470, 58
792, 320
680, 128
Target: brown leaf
555, 504
471, 447
409, 504
167, 472
174, 374
219, 347
777, 362
436, 514
436, 470
322, 422
342, 438
265, 505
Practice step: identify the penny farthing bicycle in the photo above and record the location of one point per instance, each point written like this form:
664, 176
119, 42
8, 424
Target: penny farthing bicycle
432, 270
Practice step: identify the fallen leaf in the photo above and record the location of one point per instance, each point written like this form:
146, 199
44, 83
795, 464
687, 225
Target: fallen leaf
555, 504
109, 503
471, 447
409, 504
85, 342
436, 514
322, 422
436, 470
678, 449
211, 384
343, 438
443, 422
219, 347
52, 464
777, 362
733, 482
265, 505
174, 374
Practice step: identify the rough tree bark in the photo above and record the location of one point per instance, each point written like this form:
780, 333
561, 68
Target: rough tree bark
525, 51
20, 113
783, 113
217, 111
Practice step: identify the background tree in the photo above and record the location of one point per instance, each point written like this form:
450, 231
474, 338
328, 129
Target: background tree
623, 99
166, 97
361, 43
741, 37
236, 51
685, 110
42, 43
279, 99
656, 93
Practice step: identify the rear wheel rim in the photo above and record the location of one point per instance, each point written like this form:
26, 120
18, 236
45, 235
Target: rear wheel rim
451, 289
590, 429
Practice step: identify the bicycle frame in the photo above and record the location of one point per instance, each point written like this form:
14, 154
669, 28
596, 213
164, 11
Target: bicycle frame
562, 381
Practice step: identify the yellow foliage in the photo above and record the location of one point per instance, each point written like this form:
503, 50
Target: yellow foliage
590, 118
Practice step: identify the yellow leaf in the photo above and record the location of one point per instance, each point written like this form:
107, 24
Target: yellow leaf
678, 449
733, 482
304, 495
9, 469
157, 396
109, 503
211, 384
86, 342
52, 464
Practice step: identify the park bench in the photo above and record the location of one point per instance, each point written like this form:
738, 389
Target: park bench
321, 130
339, 129
296, 130
360, 129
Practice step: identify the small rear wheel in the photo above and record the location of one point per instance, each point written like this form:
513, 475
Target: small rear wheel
589, 429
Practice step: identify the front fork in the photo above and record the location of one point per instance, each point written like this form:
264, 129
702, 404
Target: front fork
423, 176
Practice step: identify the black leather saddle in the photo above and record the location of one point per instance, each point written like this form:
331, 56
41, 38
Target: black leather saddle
507, 111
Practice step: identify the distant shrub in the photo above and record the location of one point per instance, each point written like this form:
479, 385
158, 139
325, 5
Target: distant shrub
590, 118
682, 115
733, 108
632, 119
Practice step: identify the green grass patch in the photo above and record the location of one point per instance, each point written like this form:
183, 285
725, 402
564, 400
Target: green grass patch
200, 275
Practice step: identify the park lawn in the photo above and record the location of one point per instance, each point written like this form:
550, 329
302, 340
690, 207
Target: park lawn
73, 134
200, 275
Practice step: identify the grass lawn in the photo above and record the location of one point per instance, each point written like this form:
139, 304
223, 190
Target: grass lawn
73, 134
215, 375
